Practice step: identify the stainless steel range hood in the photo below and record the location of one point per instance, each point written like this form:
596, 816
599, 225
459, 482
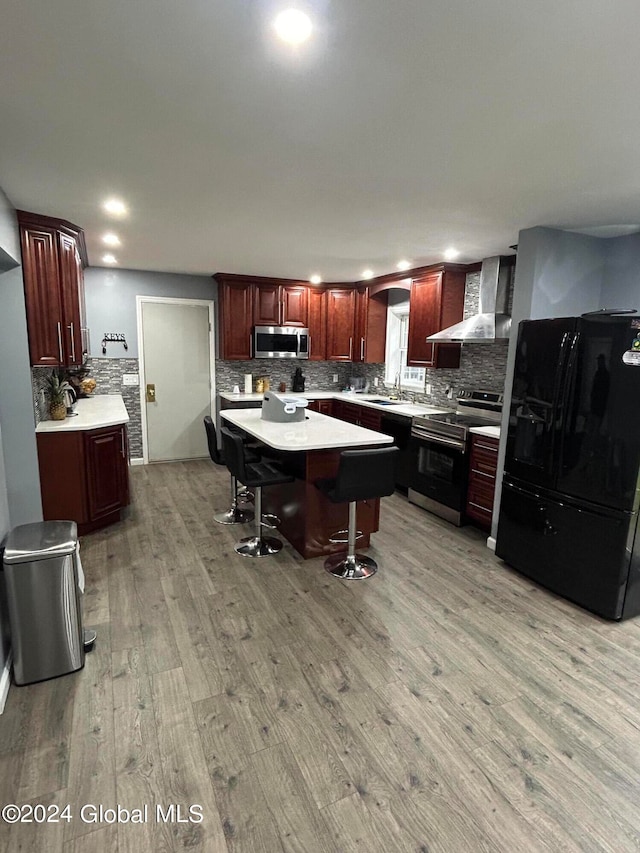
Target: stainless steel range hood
491, 323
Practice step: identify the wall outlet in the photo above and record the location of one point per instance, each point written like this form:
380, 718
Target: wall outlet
428, 389
130, 379
335, 377
376, 382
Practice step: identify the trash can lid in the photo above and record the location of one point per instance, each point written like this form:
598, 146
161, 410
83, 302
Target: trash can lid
40, 541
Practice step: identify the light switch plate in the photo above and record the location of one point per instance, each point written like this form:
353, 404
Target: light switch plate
335, 377
130, 379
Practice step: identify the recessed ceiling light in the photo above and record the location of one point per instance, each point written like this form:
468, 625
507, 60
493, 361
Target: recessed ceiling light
109, 259
111, 239
316, 279
451, 254
403, 265
293, 26
367, 273
115, 207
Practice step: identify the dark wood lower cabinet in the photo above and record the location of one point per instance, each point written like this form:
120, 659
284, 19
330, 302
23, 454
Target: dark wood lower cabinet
359, 415
482, 479
325, 407
84, 476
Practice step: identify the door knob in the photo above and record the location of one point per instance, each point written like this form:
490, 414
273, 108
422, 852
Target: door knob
151, 393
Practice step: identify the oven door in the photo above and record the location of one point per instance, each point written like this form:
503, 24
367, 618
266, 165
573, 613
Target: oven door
440, 473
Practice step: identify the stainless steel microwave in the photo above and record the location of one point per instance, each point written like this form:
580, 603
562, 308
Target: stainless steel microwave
280, 342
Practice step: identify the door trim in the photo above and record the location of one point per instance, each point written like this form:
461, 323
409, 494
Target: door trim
171, 300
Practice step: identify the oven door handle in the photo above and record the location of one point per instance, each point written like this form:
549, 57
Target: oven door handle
416, 432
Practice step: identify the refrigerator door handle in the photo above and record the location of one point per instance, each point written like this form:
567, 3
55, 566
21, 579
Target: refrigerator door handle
555, 412
568, 376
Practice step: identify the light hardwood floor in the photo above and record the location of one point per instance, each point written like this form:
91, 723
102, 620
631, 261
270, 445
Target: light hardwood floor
447, 704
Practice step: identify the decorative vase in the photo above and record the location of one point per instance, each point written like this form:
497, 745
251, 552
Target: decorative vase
57, 411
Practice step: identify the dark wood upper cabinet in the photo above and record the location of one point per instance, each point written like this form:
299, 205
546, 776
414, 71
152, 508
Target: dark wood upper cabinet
235, 301
371, 327
53, 257
317, 324
341, 317
436, 302
280, 305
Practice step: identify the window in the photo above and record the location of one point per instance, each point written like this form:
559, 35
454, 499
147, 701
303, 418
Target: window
411, 378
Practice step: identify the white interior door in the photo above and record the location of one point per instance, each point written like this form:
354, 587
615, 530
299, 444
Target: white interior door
176, 345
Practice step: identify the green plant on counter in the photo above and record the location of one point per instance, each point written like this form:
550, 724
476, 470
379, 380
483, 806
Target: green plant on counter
56, 386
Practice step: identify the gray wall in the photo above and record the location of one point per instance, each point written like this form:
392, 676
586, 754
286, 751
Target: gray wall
562, 274
621, 284
111, 302
19, 479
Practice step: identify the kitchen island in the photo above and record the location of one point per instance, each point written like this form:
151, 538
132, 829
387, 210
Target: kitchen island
310, 450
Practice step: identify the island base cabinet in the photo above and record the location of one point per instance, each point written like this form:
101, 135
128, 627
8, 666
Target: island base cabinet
84, 476
307, 517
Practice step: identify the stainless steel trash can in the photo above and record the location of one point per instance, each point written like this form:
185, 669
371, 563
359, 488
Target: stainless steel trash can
43, 600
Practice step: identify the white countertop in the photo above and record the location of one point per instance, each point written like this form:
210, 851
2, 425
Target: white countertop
491, 431
402, 407
102, 410
316, 432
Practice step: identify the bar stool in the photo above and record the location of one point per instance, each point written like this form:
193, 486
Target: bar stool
234, 515
362, 475
256, 475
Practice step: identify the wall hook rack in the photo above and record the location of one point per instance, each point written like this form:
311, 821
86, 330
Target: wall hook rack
113, 337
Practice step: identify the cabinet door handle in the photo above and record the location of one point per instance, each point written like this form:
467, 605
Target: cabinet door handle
122, 443
60, 341
73, 342
486, 447
350, 348
361, 349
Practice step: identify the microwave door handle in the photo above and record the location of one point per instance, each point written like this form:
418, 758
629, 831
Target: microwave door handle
309, 345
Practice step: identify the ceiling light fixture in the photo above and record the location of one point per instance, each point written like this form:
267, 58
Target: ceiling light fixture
367, 274
111, 239
115, 207
293, 26
403, 265
451, 254
316, 279
109, 259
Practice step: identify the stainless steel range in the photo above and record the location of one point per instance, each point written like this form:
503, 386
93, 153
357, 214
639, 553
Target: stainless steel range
440, 451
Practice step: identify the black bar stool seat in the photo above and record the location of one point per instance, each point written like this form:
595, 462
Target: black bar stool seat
362, 475
233, 515
256, 475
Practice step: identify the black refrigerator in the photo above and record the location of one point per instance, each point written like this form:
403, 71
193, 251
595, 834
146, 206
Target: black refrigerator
570, 494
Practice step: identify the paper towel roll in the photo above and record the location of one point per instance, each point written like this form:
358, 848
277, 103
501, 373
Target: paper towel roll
248, 383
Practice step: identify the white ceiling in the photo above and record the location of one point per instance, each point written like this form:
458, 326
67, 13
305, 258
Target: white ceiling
400, 129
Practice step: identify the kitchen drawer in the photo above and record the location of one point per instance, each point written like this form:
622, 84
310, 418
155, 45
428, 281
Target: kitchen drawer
482, 479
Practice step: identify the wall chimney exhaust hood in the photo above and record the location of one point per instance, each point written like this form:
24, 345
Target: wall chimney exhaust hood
491, 323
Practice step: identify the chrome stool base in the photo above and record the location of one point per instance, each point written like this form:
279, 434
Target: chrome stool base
355, 567
234, 516
258, 546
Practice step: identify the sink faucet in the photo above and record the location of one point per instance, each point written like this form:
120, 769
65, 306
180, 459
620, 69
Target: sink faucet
397, 384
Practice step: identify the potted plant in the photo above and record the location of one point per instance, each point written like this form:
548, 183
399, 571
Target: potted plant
56, 386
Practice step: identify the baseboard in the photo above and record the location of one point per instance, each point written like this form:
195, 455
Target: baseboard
138, 461
5, 681
491, 544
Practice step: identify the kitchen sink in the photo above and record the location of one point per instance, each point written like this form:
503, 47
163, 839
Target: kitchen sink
386, 402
